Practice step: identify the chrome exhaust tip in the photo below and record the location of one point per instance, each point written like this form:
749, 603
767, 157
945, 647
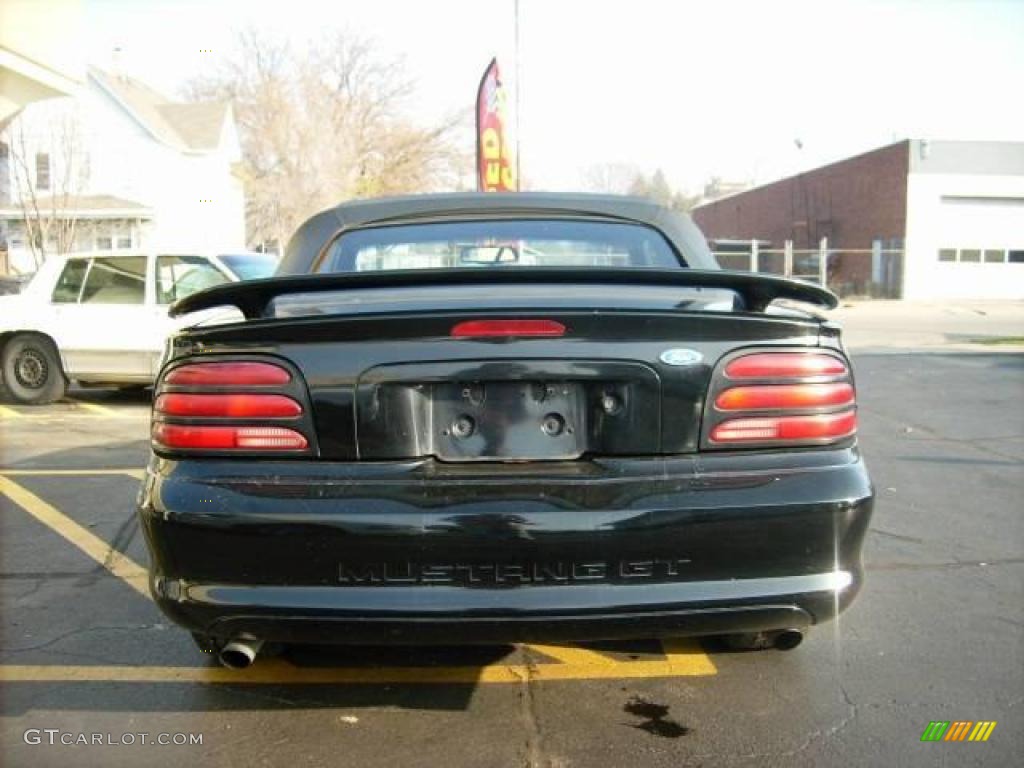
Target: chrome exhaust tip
788, 639
240, 652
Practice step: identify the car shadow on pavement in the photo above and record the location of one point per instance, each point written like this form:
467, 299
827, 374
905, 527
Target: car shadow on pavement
196, 696
112, 396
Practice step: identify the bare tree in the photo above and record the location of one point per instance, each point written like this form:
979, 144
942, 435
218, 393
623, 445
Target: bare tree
326, 124
657, 188
615, 177
49, 213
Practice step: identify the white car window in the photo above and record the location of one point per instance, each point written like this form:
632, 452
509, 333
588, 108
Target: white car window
119, 280
180, 276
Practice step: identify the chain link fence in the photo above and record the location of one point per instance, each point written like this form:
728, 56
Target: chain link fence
875, 273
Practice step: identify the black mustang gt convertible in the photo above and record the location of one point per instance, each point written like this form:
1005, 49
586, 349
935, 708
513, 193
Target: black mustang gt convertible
494, 418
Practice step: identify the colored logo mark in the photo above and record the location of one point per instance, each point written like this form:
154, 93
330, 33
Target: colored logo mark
958, 730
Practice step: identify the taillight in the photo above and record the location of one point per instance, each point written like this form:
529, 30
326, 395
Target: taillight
785, 396
204, 438
236, 406
479, 329
226, 406
785, 365
778, 398
827, 425
242, 374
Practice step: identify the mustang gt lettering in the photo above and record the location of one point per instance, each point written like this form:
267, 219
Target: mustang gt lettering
507, 573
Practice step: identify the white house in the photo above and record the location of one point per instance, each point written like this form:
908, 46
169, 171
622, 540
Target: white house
119, 166
39, 52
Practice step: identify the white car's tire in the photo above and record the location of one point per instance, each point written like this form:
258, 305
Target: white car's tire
31, 370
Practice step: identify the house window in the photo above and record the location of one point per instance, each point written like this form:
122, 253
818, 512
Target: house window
970, 254
42, 170
104, 243
124, 242
1015, 257
947, 254
995, 256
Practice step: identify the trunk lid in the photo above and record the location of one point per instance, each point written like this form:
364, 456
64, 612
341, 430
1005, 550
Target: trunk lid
387, 379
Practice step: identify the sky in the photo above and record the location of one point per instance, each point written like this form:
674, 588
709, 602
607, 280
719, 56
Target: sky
745, 91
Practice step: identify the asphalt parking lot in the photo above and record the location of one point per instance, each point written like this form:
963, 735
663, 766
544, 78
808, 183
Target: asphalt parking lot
937, 634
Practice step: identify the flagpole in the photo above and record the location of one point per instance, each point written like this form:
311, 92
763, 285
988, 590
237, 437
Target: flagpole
519, 81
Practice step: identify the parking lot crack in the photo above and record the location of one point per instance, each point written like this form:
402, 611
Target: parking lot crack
821, 734
898, 536
528, 709
126, 533
79, 631
818, 735
252, 693
36, 584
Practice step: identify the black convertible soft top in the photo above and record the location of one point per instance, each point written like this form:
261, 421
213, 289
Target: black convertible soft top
317, 232
294, 275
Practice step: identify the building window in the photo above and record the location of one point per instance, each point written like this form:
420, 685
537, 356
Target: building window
978, 255
124, 242
104, 243
42, 171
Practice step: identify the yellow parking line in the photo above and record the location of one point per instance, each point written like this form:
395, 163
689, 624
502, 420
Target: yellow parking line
101, 410
58, 416
9, 413
130, 471
118, 564
571, 654
686, 657
280, 672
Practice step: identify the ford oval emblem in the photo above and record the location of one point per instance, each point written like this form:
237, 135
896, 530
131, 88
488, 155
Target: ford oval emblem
680, 356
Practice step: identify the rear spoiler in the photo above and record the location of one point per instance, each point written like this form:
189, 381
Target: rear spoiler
253, 296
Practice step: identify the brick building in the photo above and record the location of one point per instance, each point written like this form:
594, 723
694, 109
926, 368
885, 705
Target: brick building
954, 208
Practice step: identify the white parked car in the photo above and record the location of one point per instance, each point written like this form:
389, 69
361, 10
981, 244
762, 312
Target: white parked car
101, 318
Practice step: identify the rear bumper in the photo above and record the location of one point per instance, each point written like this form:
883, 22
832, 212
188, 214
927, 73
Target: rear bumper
421, 552
325, 614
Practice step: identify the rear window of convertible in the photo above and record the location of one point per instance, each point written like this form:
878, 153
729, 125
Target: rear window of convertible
500, 244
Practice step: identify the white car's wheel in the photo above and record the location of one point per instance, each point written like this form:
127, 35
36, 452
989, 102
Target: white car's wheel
31, 368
